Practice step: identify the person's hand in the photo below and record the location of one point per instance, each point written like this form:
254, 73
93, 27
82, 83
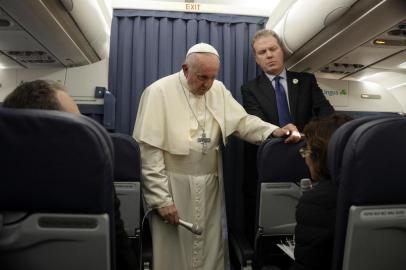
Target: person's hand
290, 132
169, 214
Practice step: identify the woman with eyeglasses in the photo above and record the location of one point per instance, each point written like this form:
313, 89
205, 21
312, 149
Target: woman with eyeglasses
315, 213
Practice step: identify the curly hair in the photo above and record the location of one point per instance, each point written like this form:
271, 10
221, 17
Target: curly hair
37, 94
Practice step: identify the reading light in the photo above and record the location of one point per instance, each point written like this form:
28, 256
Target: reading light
369, 96
379, 41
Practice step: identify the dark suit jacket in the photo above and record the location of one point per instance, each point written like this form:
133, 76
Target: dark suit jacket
306, 100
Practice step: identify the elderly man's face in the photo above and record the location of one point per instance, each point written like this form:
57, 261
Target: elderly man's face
269, 55
201, 75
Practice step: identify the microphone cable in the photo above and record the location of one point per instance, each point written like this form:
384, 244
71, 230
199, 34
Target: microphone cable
189, 226
141, 234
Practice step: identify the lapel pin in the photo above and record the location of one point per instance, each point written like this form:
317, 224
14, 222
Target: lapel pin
295, 81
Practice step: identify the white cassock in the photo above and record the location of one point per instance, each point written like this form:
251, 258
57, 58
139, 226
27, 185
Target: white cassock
176, 171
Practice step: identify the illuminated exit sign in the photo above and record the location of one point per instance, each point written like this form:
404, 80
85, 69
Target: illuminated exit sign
192, 7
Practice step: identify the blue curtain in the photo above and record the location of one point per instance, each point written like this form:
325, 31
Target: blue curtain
148, 45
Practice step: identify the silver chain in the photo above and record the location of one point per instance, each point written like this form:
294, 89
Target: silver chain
190, 107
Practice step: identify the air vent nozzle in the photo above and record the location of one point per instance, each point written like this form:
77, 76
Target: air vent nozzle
397, 32
341, 68
4, 23
32, 57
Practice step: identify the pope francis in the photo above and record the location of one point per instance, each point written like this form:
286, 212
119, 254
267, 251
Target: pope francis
181, 121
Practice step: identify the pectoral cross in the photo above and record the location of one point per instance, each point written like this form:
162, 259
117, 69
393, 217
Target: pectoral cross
204, 141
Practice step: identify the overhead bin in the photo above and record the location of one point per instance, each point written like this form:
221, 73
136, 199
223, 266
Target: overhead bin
72, 33
365, 20
94, 20
301, 22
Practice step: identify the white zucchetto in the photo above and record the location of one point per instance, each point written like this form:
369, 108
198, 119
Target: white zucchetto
202, 48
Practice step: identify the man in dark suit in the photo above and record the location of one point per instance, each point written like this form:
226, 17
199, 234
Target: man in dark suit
277, 96
304, 97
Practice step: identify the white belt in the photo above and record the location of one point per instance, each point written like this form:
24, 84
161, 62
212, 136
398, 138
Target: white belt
196, 163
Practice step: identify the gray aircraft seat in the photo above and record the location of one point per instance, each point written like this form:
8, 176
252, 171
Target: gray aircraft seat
370, 230
56, 192
127, 176
280, 168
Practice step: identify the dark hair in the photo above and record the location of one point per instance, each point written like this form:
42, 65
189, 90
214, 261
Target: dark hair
318, 133
37, 94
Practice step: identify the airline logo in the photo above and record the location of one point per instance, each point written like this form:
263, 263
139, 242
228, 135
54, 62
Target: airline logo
339, 92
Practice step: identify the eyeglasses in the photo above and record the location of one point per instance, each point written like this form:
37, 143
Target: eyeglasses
304, 152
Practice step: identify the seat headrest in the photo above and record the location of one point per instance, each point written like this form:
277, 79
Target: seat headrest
127, 160
281, 162
373, 162
53, 161
339, 140
371, 170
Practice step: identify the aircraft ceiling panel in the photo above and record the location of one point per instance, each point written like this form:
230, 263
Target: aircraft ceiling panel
52, 27
20, 48
6, 62
383, 77
394, 62
18, 41
367, 55
25, 50
328, 75
363, 74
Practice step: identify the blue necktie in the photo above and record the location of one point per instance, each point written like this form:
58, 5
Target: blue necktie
282, 103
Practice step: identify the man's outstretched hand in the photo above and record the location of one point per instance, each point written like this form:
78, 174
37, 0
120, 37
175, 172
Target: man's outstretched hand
290, 132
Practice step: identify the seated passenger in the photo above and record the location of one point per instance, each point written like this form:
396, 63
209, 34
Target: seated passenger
316, 210
47, 95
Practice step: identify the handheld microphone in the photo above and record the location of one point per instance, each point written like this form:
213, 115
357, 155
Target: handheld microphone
194, 228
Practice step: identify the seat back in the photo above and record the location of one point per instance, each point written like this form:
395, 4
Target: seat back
371, 206
55, 191
280, 168
127, 176
338, 141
